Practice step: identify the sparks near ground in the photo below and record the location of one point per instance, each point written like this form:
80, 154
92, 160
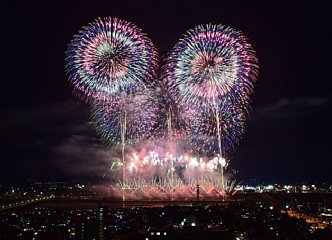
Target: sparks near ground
194, 115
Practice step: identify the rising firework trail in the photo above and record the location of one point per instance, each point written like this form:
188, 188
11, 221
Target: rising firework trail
109, 56
170, 128
125, 119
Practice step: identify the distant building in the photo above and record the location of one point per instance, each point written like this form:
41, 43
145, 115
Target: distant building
101, 217
87, 230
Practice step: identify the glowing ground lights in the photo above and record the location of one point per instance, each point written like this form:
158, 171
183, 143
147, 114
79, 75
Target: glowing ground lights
180, 122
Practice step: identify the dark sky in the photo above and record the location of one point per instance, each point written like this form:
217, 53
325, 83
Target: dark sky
46, 133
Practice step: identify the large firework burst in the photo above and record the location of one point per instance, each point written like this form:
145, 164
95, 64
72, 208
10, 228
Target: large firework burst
210, 62
109, 56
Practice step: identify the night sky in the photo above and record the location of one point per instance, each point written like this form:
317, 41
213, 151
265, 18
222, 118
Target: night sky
46, 133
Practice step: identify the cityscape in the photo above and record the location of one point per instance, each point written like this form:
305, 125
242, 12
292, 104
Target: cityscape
68, 210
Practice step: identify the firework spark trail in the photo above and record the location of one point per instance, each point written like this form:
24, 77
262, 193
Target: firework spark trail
109, 56
170, 123
128, 118
151, 168
203, 128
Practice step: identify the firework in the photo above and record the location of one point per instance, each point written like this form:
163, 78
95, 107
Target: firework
150, 171
203, 128
202, 100
109, 56
125, 117
170, 124
211, 72
209, 63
